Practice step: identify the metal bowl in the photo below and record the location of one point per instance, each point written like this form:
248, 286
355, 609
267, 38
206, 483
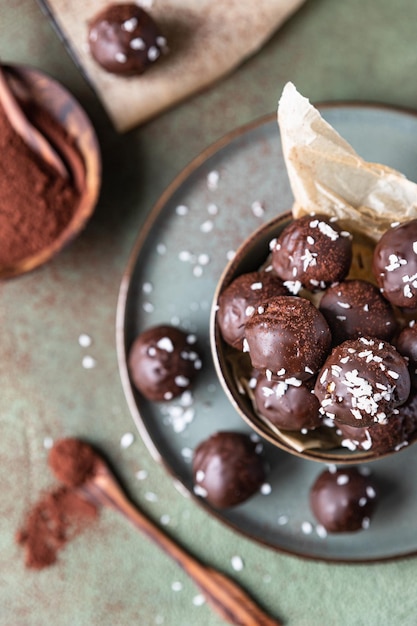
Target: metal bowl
322, 444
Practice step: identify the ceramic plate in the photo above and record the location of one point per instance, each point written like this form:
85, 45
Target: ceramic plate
216, 202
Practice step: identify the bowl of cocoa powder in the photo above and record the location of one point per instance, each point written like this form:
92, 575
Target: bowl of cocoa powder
42, 210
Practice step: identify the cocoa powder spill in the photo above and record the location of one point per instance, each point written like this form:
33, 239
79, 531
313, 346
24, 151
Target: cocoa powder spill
36, 203
61, 514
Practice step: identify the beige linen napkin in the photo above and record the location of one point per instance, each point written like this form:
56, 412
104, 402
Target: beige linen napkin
206, 40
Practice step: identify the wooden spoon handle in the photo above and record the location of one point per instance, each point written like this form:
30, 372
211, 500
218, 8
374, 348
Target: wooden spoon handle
226, 597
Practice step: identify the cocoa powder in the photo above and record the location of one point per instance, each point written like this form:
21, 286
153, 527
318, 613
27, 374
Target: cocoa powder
72, 461
59, 516
36, 203
62, 513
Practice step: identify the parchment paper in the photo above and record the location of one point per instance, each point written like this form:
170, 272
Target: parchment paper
328, 176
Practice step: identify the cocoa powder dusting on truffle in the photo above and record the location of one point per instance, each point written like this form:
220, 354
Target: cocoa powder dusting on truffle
36, 202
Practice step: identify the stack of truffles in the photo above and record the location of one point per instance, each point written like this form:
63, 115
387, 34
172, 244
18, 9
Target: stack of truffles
322, 350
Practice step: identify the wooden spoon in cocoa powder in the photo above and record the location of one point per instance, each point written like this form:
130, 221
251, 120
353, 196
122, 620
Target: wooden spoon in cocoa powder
79, 465
29, 133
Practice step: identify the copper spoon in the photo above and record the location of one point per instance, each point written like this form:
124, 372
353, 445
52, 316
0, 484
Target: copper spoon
230, 601
33, 138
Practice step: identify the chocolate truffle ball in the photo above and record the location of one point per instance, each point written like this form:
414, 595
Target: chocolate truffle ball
408, 414
313, 251
355, 308
343, 500
378, 438
228, 468
288, 404
163, 362
124, 39
288, 337
240, 299
395, 264
362, 382
406, 345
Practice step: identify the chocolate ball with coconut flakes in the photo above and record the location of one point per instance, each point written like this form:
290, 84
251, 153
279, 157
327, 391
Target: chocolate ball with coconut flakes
378, 438
124, 39
240, 300
362, 382
355, 308
343, 499
287, 338
395, 264
228, 468
163, 362
312, 251
288, 404
406, 345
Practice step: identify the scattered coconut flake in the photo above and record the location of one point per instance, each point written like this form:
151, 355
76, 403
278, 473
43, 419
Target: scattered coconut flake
127, 440
161, 248
321, 531
266, 489
199, 600
283, 519
213, 180
176, 586
212, 209
187, 454
257, 209
147, 287
307, 528
84, 340
165, 519
88, 362
237, 563
141, 474
197, 271
203, 259
150, 496
207, 226
230, 255
148, 307
48, 442
181, 209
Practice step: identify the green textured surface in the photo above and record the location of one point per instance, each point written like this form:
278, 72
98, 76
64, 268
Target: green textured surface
357, 50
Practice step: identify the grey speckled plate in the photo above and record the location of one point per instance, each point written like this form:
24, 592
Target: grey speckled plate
218, 200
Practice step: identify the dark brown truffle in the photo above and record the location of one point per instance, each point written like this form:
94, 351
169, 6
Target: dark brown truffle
406, 345
240, 299
124, 39
288, 337
362, 382
395, 264
343, 499
163, 362
355, 308
378, 438
289, 405
312, 251
228, 468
